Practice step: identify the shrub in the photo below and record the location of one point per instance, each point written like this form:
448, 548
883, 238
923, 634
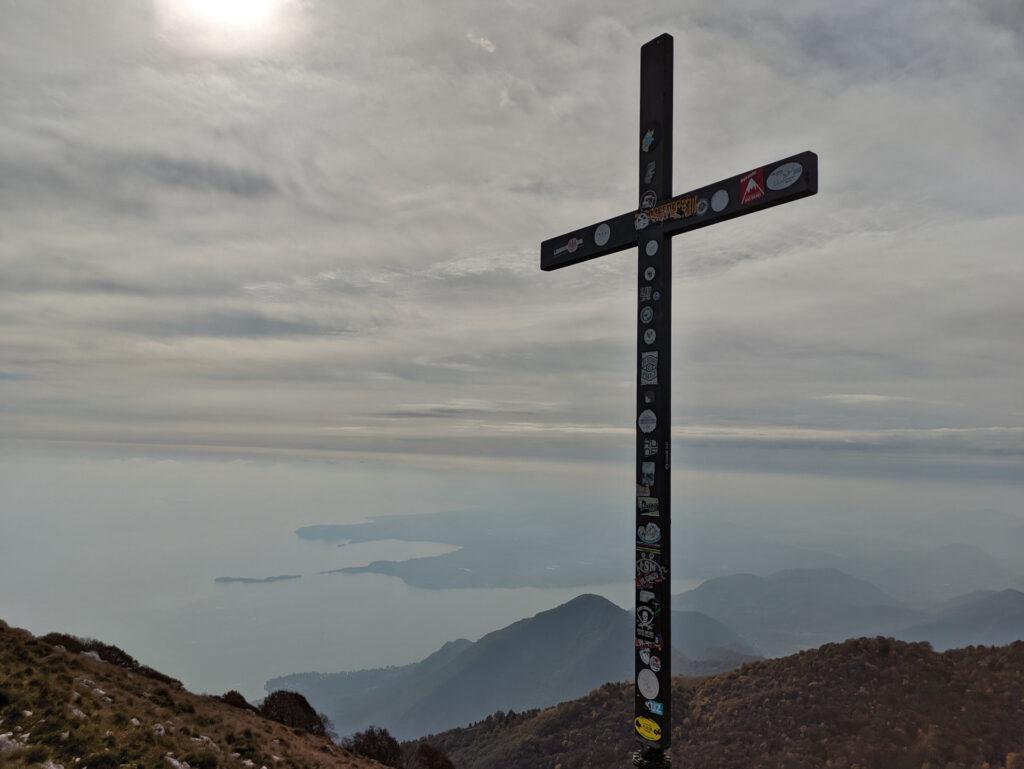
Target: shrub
162, 697
376, 743
148, 672
428, 757
292, 709
106, 652
236, 700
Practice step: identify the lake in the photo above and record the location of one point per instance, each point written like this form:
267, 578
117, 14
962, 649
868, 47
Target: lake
127, 550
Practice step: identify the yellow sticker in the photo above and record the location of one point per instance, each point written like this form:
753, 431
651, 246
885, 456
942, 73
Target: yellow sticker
648, 729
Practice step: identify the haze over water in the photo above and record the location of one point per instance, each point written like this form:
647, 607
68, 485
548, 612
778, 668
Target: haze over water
127, 551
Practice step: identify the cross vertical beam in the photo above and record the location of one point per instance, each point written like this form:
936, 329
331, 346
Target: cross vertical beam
658, 217
653, 653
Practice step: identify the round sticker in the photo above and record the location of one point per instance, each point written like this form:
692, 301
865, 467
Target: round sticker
649, 199
702, 206
641, 221
719, 200
655, 663
657, 295
647, 728
649, 336
649, 396
647, 421
647, 683
602, 233
647, 314
650, 272
784, 176
651, 248
645, 656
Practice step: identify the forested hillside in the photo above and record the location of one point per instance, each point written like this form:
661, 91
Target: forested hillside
863, 704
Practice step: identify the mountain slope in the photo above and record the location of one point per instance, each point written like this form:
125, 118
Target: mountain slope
866, 703
798, 608
983, 617
554, 656
74, 710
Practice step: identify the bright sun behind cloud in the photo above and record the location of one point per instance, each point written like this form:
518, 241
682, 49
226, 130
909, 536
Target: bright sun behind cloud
223, 26
234, 14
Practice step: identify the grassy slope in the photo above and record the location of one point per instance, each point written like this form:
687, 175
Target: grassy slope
862, 704
60, 706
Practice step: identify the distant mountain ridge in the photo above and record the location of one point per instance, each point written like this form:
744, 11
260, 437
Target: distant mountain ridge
798, 608
517, 548
804, 608
567, 651
983, 617
556, 655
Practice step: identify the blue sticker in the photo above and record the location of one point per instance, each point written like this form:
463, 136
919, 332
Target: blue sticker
648, 141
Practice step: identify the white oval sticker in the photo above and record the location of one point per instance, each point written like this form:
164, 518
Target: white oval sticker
602, 233
649, 336
650, 272
647, 683
719, 200
647, 421
784, 176
651, 248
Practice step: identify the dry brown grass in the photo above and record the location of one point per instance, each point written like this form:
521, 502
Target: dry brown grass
77, 712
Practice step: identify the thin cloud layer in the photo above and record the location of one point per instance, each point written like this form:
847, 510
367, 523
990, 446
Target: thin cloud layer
330, 243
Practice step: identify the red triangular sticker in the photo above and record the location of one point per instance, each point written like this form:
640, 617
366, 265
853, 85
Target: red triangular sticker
752, 186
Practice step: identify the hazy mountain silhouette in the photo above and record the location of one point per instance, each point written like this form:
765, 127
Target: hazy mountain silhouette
986, 617
551, 657
798, 608
920, 576
529, 548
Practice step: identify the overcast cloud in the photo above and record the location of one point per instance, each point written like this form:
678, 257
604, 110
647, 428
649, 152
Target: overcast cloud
326, 240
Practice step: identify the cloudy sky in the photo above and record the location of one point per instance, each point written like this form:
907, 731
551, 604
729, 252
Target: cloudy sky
306, 229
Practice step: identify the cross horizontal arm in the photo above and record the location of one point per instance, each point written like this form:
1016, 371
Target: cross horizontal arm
600, 239
770, 185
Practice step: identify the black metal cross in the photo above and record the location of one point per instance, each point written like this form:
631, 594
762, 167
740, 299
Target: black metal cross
651, 227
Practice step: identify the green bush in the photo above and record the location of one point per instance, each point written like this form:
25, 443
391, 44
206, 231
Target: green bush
162, 697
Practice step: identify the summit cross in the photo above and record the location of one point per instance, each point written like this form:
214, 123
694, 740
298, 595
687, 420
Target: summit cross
650, 228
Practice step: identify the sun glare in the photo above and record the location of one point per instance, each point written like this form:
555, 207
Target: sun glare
223, 25
236, 14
